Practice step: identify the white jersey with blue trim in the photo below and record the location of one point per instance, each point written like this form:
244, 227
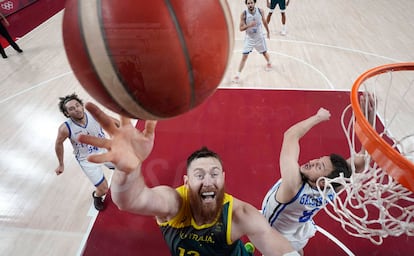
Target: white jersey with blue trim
291, 217
257, 30
93, 128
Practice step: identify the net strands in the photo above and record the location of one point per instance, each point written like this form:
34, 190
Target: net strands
372, 204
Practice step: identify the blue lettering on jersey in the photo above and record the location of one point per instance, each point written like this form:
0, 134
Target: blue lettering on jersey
314, 201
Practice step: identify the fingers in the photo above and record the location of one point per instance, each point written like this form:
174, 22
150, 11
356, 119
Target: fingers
367, 97
99, 158
149, 128
94, 141
363, 99
366, 101
125, 120
97, 142
104, 120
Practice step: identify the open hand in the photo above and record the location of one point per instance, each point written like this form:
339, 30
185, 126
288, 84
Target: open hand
127, 146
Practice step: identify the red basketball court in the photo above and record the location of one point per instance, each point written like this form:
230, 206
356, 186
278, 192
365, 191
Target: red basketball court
245, 127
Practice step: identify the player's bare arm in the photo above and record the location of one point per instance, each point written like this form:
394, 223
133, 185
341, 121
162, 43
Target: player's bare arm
247, 220
289, 155
63, 134
127, 149
243, 26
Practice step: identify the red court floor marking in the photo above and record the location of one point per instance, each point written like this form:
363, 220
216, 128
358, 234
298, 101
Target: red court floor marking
245, 127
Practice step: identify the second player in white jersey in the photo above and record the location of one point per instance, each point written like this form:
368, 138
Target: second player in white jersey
294, 218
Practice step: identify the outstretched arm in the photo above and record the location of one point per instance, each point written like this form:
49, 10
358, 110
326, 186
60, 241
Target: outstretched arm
127, 149
247, 220
289, 155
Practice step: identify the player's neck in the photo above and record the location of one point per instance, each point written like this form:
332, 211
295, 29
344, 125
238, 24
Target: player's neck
80, 121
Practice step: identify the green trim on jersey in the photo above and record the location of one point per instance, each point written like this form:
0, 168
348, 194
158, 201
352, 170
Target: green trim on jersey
184, 237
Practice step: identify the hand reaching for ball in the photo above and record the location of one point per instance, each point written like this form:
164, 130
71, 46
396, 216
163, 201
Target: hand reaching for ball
127, 147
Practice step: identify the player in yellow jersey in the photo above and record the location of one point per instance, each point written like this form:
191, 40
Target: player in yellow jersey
198, 218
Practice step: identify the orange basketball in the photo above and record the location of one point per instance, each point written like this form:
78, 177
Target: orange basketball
150, 60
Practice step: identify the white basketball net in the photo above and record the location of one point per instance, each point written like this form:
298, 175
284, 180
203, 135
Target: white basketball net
371, 204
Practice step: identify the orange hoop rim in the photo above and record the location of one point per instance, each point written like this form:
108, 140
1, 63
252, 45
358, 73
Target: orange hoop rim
388, 158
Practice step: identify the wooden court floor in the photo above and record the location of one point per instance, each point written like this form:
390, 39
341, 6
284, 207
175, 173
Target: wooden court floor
328, 45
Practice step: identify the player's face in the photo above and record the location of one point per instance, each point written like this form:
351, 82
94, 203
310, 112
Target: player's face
316, 168
250, 5
75, 110
205, 180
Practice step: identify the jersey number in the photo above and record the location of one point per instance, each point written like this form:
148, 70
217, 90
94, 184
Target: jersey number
189, 253
307, 215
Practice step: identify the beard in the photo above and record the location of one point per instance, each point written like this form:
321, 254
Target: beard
205, 212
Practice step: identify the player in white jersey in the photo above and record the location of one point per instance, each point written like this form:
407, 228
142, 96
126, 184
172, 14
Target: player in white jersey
293, 201
81, 122
293, 219
252, 21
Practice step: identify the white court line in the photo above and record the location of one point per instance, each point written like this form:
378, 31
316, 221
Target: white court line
321, 45
335, 240
333, 47
35, 86
94, 215
303, 62
239, 39
339, 48
307, 64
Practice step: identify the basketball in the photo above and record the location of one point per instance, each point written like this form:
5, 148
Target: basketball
148, 60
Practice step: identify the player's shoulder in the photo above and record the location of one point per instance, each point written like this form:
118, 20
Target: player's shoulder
64, 126
243, 14
63, 130
241, 207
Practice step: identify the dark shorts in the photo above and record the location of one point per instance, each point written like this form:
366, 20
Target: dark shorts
281, 3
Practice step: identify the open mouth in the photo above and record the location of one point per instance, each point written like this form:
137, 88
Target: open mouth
208, 195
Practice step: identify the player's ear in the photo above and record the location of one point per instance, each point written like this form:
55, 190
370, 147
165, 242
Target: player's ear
321, 183
185, 178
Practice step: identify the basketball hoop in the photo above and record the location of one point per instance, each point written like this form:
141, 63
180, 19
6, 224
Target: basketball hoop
379, 201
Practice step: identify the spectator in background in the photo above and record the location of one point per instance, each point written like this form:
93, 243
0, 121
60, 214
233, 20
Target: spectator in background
5, 33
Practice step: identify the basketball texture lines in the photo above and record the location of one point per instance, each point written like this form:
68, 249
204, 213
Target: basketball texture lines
151, 61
